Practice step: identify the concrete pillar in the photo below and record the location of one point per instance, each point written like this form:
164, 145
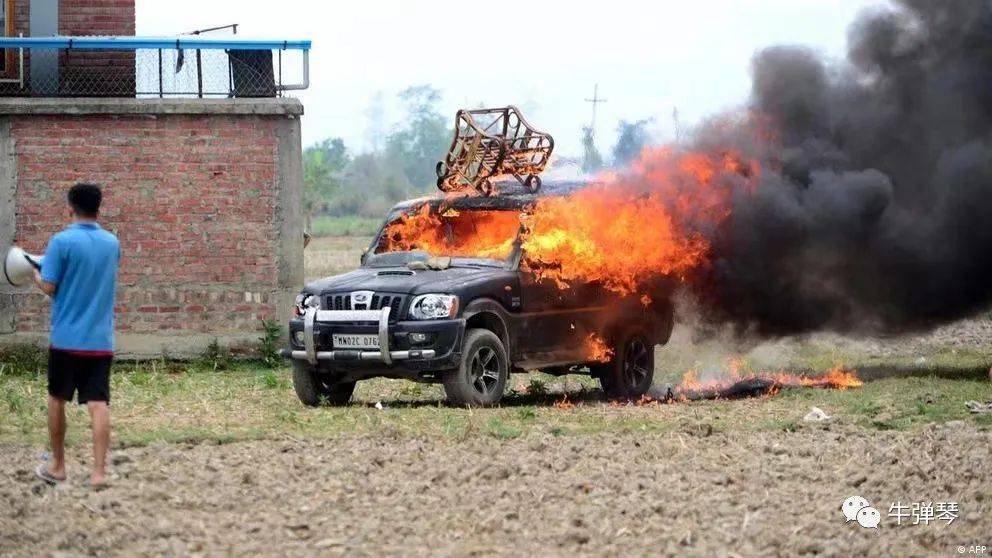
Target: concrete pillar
8, 186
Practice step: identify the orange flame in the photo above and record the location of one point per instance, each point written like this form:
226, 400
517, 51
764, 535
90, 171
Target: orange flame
637, 225
563, 403
622, 231
596, 349
480, 234
835, 378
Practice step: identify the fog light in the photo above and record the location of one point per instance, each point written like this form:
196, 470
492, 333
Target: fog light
298, 337
419, 338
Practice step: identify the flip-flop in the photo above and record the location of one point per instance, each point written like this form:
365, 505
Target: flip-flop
42, 472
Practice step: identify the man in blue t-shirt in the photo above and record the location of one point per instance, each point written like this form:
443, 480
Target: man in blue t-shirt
79, 272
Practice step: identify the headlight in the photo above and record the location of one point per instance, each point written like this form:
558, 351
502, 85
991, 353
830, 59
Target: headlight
304, 301
434, 306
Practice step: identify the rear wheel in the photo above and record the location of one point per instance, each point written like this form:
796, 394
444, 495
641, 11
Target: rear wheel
630, 373
481, 376
313, 390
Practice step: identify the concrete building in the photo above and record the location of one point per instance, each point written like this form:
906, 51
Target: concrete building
204, 193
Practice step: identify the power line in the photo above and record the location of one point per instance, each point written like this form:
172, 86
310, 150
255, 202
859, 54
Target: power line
595, 101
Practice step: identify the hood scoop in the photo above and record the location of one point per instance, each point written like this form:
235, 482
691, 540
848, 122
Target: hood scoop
436, 263
405, 272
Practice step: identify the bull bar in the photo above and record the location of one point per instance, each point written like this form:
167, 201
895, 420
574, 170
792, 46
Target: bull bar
312, 355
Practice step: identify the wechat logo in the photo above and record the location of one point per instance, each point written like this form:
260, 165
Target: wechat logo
858, 509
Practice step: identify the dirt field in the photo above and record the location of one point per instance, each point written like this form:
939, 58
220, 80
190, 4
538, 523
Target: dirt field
215, 458
677, 493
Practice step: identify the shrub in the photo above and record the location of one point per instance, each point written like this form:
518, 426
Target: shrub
269, 343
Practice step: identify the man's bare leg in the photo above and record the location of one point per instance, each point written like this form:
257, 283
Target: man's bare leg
56, 434
100, 418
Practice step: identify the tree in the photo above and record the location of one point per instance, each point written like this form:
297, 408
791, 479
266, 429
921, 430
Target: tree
371, 184
631, 139
322, 165
422, 139
592, 161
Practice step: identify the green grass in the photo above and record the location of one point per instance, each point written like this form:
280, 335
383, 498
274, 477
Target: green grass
323, 225
175, 402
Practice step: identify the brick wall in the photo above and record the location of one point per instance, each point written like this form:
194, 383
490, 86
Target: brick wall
84, 17
195, 200
89, 68
96, 17
85, 70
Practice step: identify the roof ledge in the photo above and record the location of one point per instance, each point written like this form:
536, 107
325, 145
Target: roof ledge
123, 105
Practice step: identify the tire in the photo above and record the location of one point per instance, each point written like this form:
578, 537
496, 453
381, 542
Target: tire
631, 371
481, 376
314, 391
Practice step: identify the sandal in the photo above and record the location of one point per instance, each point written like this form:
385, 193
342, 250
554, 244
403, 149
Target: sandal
42, 472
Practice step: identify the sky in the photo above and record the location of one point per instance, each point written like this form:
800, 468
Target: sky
648, 58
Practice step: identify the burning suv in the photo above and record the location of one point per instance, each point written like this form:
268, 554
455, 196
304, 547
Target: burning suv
445, 294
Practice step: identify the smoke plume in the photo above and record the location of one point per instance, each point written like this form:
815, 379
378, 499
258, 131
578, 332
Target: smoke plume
873, 210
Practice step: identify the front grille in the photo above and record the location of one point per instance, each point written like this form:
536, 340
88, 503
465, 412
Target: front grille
339, 302
342, 301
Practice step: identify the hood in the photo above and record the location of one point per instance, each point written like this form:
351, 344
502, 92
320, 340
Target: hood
403, 280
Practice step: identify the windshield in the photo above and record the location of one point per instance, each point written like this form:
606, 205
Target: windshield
481, 236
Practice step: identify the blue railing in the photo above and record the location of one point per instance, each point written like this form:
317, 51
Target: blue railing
155, 66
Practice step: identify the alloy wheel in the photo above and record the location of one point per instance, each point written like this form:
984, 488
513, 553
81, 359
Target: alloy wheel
635, 362
485, 371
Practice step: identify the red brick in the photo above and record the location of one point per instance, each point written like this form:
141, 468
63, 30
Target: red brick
191, 242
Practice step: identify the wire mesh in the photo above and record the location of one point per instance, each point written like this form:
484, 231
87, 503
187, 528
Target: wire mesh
79, 72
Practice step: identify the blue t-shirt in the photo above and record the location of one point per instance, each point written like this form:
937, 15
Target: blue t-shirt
82, 262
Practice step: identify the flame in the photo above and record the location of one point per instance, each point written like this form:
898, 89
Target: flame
623, 231
563, 403
837, 377
477, 233
630, 228
596, 349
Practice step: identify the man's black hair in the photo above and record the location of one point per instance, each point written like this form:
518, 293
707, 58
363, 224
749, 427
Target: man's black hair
85, 199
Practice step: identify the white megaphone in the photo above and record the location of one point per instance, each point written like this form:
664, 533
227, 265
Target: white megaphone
19, 266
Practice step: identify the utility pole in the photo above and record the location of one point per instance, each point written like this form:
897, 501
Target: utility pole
595, 101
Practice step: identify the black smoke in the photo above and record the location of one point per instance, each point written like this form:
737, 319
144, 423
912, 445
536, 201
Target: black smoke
873, 211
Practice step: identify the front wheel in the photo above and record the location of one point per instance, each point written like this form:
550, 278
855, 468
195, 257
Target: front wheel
631, 370
313, 390
481, 376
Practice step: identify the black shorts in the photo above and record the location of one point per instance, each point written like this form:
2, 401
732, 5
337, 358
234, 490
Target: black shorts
70, 373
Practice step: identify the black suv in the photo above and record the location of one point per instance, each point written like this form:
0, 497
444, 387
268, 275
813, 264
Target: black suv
467, 322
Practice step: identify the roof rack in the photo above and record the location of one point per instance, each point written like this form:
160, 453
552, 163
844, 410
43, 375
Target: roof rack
491, 143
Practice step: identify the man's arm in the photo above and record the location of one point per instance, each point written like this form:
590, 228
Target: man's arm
52, 266
46, 287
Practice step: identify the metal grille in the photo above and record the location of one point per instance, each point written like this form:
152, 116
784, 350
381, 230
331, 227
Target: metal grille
343, 302
155, 72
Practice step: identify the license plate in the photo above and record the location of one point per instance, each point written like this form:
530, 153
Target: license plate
355, 341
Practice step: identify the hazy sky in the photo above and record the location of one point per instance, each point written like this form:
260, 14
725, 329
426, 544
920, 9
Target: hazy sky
648, 57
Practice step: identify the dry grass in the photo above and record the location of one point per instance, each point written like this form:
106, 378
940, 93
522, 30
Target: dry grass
186, 403
333, 255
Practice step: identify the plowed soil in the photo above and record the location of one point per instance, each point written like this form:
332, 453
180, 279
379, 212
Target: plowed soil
692, 492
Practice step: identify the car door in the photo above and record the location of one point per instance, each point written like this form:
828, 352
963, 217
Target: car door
556, 319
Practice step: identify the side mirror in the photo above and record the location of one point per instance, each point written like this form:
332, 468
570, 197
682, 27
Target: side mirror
365, 256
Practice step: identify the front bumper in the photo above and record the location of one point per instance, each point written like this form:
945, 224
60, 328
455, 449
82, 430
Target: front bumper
395, 349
